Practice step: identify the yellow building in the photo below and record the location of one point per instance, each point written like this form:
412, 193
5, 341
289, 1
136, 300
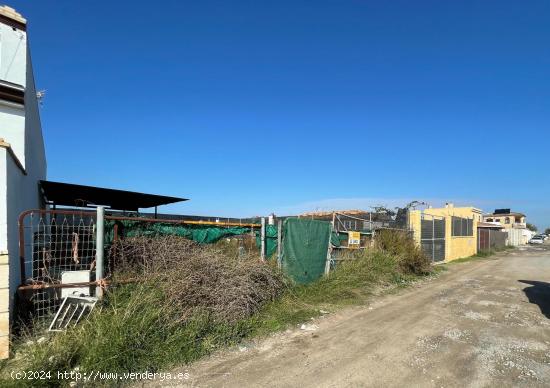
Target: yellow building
446, 233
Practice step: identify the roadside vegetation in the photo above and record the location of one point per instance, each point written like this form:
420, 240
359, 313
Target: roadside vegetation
189, 300
393, 262
482, 255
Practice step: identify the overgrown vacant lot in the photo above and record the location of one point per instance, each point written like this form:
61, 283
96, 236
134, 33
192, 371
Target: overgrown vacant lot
187, 300
481, 323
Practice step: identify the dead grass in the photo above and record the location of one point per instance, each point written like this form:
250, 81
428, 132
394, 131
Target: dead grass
192, 299
199, 278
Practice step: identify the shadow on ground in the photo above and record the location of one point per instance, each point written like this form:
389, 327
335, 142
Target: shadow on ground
539, 294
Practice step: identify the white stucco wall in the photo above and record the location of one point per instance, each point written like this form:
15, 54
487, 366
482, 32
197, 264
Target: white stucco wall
13, 55
5, 318
3, 201
22, 190
14, 69
19, 191
22, 194
12, 129
35, 154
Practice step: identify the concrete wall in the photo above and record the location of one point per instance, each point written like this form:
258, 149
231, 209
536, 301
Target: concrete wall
415, 224
518, 237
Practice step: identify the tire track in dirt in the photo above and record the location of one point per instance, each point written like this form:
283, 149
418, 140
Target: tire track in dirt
472, 326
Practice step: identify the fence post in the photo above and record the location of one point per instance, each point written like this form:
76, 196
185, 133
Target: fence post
329, 250
433, 238
280, 244
100, 245
262, 240
479, 239
370, 220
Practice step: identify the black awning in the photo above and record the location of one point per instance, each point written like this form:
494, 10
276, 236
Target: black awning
67, 194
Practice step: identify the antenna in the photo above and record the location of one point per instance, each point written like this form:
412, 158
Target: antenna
40, 94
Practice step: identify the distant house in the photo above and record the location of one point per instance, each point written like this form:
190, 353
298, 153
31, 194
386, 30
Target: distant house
513, 223
507, 219
22, 155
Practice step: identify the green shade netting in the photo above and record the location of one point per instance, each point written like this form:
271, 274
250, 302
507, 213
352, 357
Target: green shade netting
305, 244
200, 233
270, 240
305, 241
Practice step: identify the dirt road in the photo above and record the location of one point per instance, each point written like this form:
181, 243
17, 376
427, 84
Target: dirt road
483, 323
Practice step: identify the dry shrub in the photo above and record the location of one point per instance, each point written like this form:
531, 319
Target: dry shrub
400, 244
198, 278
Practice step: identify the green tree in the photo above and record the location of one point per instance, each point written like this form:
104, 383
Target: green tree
547, 231
531, 227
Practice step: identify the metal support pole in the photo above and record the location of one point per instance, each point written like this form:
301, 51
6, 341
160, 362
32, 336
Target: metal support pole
100, 244
115, 233
329, 250
280, 244
433, 237
370, 220
478, 240
262, 239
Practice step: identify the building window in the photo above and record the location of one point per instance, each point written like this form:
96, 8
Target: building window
489, 220
507, 220
462, 227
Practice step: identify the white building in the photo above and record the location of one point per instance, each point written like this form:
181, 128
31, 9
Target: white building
22, 155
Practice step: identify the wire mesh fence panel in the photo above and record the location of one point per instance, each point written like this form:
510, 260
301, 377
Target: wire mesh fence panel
57, 248
432, 237
58, 251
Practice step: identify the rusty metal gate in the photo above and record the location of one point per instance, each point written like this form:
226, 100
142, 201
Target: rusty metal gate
57, 250
488, 239
432, 237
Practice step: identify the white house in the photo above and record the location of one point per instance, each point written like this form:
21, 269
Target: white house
22, 155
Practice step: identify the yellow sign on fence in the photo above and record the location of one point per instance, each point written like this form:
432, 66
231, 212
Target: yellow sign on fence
354, 239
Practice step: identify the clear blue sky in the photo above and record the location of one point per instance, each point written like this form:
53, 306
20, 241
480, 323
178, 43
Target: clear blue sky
248, 107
